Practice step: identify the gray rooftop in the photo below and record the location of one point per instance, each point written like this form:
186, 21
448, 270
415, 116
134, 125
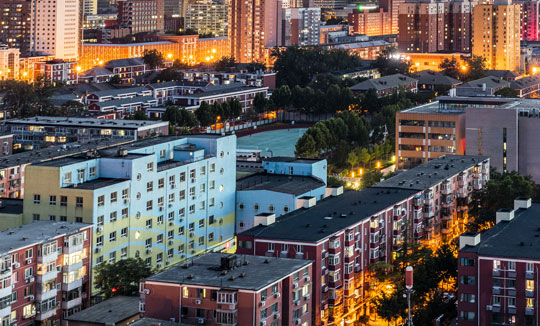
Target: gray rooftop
85, 122
123, 101
429, 174
504, 74
124, 62
114, 310
518, 238
154, 322
430, 77
491, 82
525, 82
433, 108
179, 83
385, 82
258, 272
331, 215
34, 233
291, 159
289, 184
121, 91
223, 89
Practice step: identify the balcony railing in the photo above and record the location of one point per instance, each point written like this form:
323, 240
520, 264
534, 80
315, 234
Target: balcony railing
71, 303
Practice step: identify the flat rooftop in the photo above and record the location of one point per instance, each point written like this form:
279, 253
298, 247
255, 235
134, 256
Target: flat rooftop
11, 206
289, 184
113, 310
34, 233
97, 183
429, 174
434, 108
518, 238
250, 273
331, 215
291, 159
85, 122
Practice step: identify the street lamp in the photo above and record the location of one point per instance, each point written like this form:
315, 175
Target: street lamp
409, 285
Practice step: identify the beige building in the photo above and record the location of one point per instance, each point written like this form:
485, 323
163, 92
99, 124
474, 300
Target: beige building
9, 62
55, 28
207, 18
496, 34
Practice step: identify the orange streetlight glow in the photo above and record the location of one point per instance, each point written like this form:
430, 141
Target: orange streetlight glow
464, 68
534, 70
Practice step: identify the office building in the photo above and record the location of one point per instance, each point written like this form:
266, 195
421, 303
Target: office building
207, 18
498, 269
496, 34
254, 28
9, 62
162, 199
345, 235
428, 131
141, 15
44, 272
368, 23
284, 185
301, 26
55, 28
220, 289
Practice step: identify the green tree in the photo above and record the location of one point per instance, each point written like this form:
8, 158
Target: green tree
352, 160
371, 178
153, 58
260, 103
507, 92
236, 108
168, 74
364, 157
179, 65
115, 80
204, 114
225, 63
122, 277
281, 97
390, 306
450, 67
475, 68
306, 147
388, 65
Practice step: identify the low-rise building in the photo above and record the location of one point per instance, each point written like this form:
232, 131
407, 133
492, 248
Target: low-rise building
44, 271
57, 71
527, 86
387, 85
117, 94
124, 107
220, 289
118, 310
486, 86
259, 78
222, 93
498, 269
435, 81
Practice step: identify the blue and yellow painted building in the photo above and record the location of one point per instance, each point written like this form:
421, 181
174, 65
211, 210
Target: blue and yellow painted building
162, 199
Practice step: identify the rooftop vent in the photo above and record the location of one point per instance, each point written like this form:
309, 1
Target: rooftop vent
469, 239
522, 202
228, 262
504, 214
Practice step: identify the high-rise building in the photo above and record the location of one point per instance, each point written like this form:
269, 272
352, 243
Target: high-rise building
301, 26
432, 26
254, 28
207, 18
55, 28
162, 199
141, 15
9, 62
370, 23
15, 22
327, 4
392, 8
530, 20
496, 34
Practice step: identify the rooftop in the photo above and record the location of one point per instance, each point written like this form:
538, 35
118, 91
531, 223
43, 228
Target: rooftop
124, 62
34, 233
433, 108
121, 91
154, 322
249, 273
518, 238
525, 82
114, 310
331, 215
429, 174
490, 82
85, 122
223, 89
503, 74
128, 44
129, 100
289, 184
385, 82
179, 83
430, 77
291, 159
11, 206
97, 183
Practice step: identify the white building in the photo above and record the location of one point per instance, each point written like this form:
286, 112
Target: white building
55, 28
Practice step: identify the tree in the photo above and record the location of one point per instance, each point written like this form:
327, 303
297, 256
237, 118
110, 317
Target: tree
507, 92
138, 115
475, 68
179, 65
371, 178
115, 80
260, 103
224, 63
306, 147
450, 67
204, 114
168, 74
281, 97
122, 277
352, 160
256, 66
364, 157
389, 65
153, 58
236, 108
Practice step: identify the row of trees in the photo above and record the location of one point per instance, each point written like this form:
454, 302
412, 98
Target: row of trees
367, 156
474, 68
333, 99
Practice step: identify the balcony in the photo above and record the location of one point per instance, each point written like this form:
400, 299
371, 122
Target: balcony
72, 249
496, 290
46, 315
45, 259
72, 267
5, 272
42, 278
529, 275
72, 285
71, 303
5, 291
529, 311
5, 312
529, 293
41, 296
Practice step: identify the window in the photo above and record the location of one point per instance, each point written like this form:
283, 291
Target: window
123, 232
123, 253
467, 280
113, 216
148, 243
530, 303
212, 184
201, 241
182, 176
467, 315
202, 188
149, 224
171, 216
114, 197
211, 219
192, 175
467, 262
271, 247
124, 212
112, 236
37, 199
63, 218
148, 205
496, 300
181, 212
125, 194
181, 249
191, 191
201, 223
181, 230
285, 247
530, 267
182, 195
112, 257
99, 241
468, 297
149, 186
191, 209
496, 265
170, 253
101, 200
35, 217
92, 171
203, 170
150, 167
79, 202
299, 249
160, 219
52, 217
512, 265
211, 237
159, 238
511, 301
52, 200
213, 167
170, 234
162, 153
100, 220
171, 198
63, 200
333, 260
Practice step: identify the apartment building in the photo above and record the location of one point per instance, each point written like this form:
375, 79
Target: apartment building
222, 93
15, 19
285, 185
301, 26
344, 235
9, 62
58, 71
44, 272
530, 23
207, 18
496, 34
368, 23
163, 199
498, 270
33, 133
141, 15
392, 8
220, 289
259, 78
428, 131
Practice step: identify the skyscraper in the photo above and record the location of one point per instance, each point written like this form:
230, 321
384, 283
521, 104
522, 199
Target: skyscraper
254, 28
301, 26
496, 34
55, 28
15, 21
141, 15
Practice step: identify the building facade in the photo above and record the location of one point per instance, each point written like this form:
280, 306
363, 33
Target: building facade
392, 8
207, 18
496, 34
498, 270
370, 23
9, 62
141, 15
530, 22
44, 272
15, 21
301, 26
219, 289
57, 71
163, 199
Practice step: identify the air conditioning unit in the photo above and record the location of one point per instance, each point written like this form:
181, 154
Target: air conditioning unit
307, 278
28, 261
98, 249
489, 307
171, 242
99, 229
30, 279
262, 303
146, 291
306, 297
277, 315
296, 303
16, 264
297, 321
198, 301
31, 297
171, 223
295, 285
277, 295
200, 320
148, 250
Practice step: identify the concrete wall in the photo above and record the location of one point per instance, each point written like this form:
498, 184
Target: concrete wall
529, 147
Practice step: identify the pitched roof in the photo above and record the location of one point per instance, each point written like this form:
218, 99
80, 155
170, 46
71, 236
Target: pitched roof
130, 100
525, 82
124, 62
385, 82
504, 74
96, 72
120, 91
430, 77
491, 82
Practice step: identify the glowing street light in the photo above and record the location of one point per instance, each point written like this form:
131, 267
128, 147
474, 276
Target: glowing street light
78, 68
534, 70
169, 56
464, 68
378, 164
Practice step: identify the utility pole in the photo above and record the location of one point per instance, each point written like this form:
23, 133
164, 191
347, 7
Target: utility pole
409, 291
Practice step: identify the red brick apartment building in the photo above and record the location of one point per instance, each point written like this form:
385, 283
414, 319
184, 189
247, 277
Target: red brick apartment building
345, 235
44, 272
223, 289
498, 270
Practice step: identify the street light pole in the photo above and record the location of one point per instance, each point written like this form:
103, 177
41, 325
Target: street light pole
409, 291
